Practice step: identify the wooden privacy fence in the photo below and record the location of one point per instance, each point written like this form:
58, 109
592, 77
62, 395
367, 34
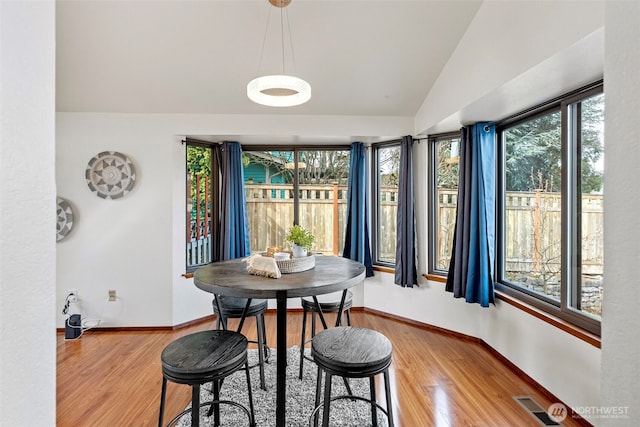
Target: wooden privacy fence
270, 214
322, 210
532, 225
533, 231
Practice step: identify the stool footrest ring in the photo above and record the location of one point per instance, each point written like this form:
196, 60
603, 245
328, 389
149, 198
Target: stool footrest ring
211, 402
344, 396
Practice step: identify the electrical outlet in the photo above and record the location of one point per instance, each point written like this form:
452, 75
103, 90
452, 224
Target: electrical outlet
72, 294
112, 295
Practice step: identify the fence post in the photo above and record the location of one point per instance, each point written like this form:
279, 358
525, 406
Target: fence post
537, 234
335, 219
206, 206
189, 207
198, 207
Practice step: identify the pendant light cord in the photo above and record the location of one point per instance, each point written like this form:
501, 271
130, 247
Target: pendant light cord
293, 56
283, 10
264, 40
282, 36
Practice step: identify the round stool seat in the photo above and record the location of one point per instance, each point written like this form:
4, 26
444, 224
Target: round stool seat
351, 351
204, 356
328, 303
233, 306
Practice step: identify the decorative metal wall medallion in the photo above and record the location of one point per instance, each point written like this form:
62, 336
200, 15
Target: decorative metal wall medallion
110, 175
64, 219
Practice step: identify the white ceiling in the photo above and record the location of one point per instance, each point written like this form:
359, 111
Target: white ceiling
367, 57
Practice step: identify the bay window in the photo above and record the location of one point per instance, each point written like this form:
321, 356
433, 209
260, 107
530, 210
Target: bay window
550, 232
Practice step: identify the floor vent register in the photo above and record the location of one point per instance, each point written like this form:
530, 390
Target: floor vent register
540, 414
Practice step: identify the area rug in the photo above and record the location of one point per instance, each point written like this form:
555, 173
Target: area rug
300, 397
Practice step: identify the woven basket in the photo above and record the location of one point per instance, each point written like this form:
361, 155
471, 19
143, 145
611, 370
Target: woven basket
296, 265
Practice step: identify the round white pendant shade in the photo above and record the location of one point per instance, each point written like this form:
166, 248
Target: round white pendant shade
279, 91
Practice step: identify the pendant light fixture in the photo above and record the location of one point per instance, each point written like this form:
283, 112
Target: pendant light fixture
279, 90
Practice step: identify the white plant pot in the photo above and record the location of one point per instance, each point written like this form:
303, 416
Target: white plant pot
298, 251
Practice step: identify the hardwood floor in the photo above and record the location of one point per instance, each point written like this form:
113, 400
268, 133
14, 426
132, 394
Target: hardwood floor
113, 378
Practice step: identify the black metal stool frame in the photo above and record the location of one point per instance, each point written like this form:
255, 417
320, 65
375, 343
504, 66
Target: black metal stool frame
195, 382
317, 309
265, 354
370, 372
313, 420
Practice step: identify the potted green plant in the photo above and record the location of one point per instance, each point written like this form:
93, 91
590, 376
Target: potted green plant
301, 240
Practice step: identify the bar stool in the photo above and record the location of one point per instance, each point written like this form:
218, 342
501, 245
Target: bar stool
203, 357
329, 303
351, 352
234, 308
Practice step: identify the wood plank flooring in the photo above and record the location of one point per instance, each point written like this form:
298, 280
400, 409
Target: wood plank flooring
113, 378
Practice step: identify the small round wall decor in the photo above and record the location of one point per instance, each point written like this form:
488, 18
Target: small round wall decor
64, 219
110, 175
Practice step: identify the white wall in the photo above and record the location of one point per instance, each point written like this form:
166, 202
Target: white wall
27, 214
621, 323
123, 244
506, 40
135, 244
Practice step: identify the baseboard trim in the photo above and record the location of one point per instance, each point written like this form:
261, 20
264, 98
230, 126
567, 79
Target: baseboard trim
425, 326
193, 322
464, 337
209, 318
509, 364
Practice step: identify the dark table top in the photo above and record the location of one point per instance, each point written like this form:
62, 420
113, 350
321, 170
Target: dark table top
231, 278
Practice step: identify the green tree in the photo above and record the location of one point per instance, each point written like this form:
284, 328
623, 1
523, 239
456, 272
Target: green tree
389, 163
314, 166
448, 164
534, 148
592, 119
198, 164
324, 167
198, 160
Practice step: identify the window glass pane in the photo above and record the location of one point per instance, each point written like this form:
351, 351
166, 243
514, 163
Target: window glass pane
533, 209
269, 193
198, 233
591, 183
321, 199
387, 199
322, 177
447, 190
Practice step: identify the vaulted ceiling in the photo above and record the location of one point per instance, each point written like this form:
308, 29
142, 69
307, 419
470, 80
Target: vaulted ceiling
366, 57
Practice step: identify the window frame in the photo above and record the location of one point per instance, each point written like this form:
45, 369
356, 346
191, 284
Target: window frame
214, 196
433, 206
215, 182
570, 205
375, 205
295, 150
571, 225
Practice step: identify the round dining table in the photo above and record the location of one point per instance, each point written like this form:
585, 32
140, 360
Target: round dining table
230, 278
